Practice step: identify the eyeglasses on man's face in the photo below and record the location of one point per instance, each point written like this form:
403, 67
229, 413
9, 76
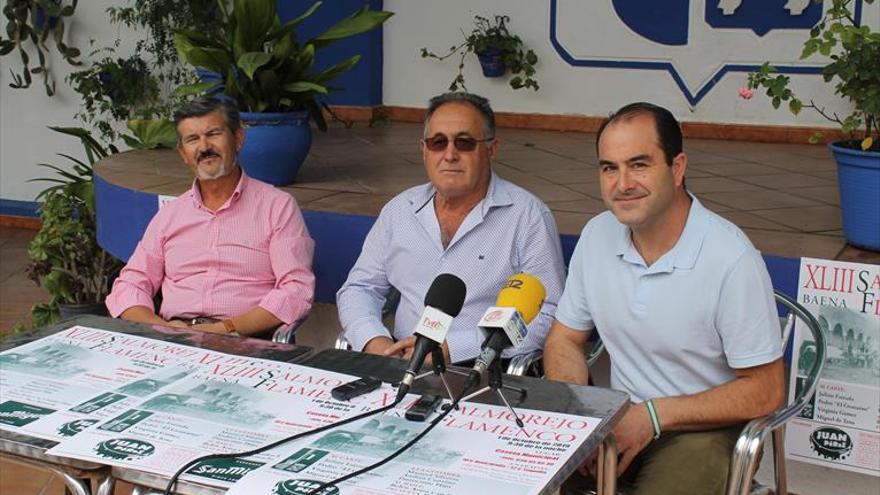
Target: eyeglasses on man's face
461, 143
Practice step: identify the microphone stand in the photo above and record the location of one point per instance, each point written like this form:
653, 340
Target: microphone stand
439, 368
496, 384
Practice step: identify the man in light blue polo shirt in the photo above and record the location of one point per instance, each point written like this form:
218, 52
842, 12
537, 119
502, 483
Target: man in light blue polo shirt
466, 221
684, 305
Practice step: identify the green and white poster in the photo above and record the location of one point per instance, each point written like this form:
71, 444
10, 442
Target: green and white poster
477, 449
840, 427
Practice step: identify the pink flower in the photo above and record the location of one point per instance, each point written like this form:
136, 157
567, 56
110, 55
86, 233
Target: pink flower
745, 93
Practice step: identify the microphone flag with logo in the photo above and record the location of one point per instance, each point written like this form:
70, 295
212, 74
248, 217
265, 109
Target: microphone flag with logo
443, 302
517, 304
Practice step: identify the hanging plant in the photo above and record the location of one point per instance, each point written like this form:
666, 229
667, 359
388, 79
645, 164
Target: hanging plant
30, 23
497, 49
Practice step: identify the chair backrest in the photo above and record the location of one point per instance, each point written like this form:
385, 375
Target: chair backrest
812, 350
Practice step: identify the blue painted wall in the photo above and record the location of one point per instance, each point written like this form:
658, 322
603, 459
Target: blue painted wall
361, 86
19, 208
123, 215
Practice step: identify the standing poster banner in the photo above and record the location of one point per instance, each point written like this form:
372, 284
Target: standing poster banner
840, 426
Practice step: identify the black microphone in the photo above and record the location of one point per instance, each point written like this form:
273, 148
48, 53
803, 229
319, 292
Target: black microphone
443, 302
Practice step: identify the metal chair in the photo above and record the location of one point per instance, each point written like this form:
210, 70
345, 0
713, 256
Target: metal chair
744, 464
748, 448
286, 334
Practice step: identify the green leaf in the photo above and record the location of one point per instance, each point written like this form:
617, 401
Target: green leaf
288, 27
254, 20
153, 133
194, 89
304, 86
359, 22
251, 61
334, 71
214, 59
795, 106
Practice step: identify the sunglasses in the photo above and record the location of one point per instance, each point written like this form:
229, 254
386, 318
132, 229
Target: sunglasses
461, 143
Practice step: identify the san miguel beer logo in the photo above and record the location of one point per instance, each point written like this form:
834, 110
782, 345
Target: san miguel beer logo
831, 443
124, 449
75, 427
230, 470
302, 487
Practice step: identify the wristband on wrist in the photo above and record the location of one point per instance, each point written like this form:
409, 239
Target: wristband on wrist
229, 326
655, 420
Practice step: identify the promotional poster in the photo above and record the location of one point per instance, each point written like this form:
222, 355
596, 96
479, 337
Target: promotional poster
840, 426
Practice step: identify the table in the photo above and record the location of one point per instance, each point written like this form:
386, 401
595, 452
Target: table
609, 405
598, 402
31, 451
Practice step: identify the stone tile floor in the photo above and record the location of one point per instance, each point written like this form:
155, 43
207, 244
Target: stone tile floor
783, 196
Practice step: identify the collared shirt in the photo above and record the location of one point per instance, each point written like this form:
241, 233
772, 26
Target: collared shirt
683, 324
508, 232
253, 251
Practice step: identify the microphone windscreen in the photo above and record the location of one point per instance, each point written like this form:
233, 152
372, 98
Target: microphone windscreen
525, 293
447, 293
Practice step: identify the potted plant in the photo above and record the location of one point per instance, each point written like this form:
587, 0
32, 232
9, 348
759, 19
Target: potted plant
115, 89
853, 51
270, 74
29, 25
66, 259
497, 50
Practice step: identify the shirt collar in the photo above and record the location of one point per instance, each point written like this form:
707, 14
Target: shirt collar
196, 195
498, 194
683, 254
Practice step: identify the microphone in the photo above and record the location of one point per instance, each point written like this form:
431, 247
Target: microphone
443, 302
504, 324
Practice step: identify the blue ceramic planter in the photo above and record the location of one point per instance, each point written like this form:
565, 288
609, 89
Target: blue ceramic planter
275, 146
858, 174
492, 64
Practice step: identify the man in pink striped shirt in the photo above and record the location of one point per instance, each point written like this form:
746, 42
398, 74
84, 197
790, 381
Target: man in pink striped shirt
232, 254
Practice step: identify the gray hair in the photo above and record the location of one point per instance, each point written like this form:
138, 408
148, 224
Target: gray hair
204, 105
478, 102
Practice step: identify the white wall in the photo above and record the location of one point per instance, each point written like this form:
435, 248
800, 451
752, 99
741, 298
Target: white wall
25, 113
410, 80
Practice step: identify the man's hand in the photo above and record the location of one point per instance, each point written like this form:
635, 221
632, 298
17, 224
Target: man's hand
176, 324
378, 345
404, 349
217, 327
633, 434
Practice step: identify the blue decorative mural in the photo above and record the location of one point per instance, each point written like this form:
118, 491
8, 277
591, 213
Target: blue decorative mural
696, 41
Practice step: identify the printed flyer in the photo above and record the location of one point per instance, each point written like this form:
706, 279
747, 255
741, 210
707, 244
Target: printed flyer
58, 372
218, 409
840, 427
57, 386
478, 449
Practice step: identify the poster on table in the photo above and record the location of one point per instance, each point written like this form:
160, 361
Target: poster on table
478, 449
840, 426
57, 386
220, 409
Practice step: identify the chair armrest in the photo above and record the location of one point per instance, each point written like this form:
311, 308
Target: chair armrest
520, 363
286, 334
341, 343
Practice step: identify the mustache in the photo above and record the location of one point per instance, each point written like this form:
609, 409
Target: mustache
207, 154
629, 195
